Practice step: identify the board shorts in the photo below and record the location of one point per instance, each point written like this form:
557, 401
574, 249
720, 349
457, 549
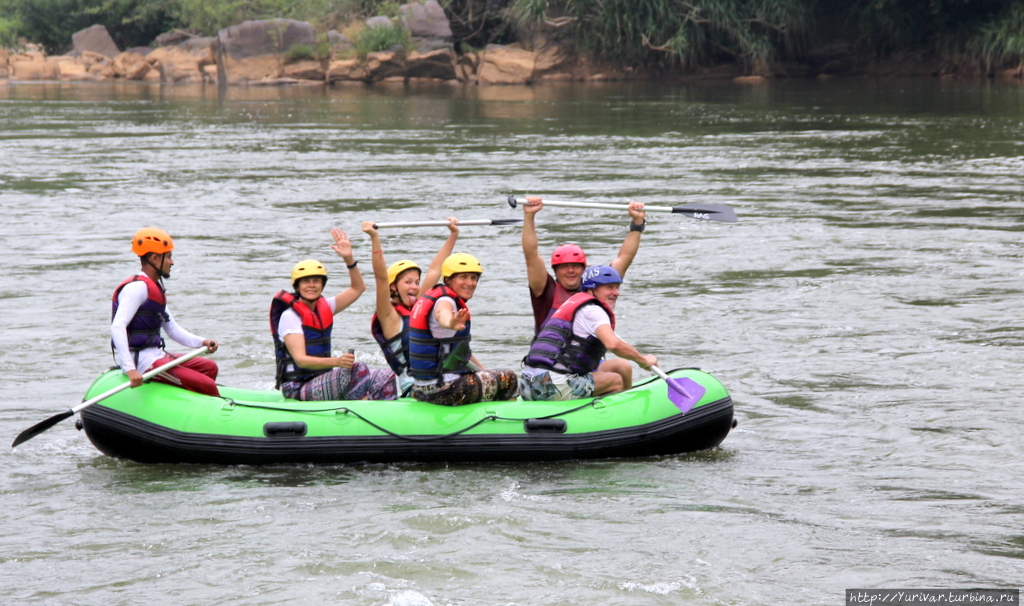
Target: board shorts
538, 384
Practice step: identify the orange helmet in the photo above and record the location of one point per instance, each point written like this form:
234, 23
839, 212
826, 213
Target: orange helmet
152, 240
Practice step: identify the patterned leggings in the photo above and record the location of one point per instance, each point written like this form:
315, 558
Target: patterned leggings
480, 386
357, 383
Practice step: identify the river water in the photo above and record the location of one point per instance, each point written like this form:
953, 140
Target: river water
864, 314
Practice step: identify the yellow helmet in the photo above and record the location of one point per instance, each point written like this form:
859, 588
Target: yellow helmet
399, 267
460, 263
151, 240
309, 267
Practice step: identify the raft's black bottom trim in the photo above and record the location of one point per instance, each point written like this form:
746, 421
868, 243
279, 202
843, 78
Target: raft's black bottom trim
124, 436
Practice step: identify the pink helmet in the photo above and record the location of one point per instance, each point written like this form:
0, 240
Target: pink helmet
568, 253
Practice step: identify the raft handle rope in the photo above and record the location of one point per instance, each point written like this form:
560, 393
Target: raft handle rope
347, 411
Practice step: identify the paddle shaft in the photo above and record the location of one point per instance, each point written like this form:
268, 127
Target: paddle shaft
712, 212
39, 428
445, 223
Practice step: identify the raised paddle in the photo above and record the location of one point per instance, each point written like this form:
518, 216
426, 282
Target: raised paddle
684, 393
39, 428
443, 223
709, 212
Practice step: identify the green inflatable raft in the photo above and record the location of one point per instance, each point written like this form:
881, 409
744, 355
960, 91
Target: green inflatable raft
159, 423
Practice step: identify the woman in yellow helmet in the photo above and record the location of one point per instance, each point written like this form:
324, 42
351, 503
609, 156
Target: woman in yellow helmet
398, 287
440, 360
301, 323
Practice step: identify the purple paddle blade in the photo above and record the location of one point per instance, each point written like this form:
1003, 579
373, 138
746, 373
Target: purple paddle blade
684, 393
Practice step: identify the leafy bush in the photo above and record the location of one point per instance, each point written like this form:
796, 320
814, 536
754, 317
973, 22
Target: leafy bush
299, 52
375, 39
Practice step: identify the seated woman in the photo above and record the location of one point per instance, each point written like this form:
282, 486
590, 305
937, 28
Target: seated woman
301, 323
440, 359
398, 287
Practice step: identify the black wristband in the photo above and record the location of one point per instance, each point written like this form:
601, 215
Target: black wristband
639, 228
353, 266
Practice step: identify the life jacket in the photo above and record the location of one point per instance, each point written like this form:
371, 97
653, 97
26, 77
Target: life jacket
558, 348
144, 328
543, 308
431, 357
396, 349
316, 327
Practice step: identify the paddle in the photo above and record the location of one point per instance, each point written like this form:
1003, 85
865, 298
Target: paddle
710, 212
684, 393
443, 223
39, 428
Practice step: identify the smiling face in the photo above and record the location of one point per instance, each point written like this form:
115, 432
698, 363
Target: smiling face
607, 294
406, 287
464, 284
309, 288
568, 275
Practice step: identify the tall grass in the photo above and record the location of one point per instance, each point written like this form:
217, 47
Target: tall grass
999, 43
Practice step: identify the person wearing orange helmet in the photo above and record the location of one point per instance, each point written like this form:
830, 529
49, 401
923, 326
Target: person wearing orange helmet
568, 261
398, 287
140, 314
301, 324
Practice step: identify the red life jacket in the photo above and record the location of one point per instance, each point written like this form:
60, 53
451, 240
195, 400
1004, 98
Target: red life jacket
556, 347
144, 327
429, 356
316, 327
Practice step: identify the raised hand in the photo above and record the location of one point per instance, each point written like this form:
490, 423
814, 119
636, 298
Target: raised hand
341, 245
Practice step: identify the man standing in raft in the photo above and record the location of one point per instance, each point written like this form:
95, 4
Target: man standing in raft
397, 288
140, 312
439, 333
564, 362
567, 261
301, 323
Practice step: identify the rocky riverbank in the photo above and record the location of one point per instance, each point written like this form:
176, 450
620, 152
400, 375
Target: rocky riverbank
282, 51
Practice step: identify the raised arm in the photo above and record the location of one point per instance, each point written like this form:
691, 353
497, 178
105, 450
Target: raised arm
536, 271
632, 242
390, 321
433, 275
343, 247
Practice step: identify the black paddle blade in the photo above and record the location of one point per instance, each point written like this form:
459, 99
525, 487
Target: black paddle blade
505, 221
39, 428
709, 212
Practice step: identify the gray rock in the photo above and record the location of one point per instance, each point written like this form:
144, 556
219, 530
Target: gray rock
379, 21
95, 39
426, 20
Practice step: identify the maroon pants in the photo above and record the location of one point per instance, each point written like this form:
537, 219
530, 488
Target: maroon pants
198, 374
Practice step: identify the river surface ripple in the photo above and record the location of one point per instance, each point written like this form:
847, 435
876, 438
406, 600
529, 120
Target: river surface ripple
864, 313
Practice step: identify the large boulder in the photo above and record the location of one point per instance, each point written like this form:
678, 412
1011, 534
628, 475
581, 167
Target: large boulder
501, 64
256, 50
385, 65
130, 66
4, 57
184, 62
346, 70
438, 64
425, 20
33, 66
95, 39
304, 70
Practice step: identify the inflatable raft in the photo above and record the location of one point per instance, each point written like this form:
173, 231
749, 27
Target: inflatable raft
159, 423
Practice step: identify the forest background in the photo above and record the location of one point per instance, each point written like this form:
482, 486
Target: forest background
764, 37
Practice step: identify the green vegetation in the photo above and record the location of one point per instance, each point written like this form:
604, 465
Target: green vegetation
375, 39
759, 35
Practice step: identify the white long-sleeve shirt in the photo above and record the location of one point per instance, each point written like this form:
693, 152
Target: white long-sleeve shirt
131, 297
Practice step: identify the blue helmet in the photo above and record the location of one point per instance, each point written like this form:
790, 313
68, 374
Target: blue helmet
597, 275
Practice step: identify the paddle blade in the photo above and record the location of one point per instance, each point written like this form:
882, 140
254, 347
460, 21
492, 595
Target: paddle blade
684, 393
709, 212
39, 428
505, 221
